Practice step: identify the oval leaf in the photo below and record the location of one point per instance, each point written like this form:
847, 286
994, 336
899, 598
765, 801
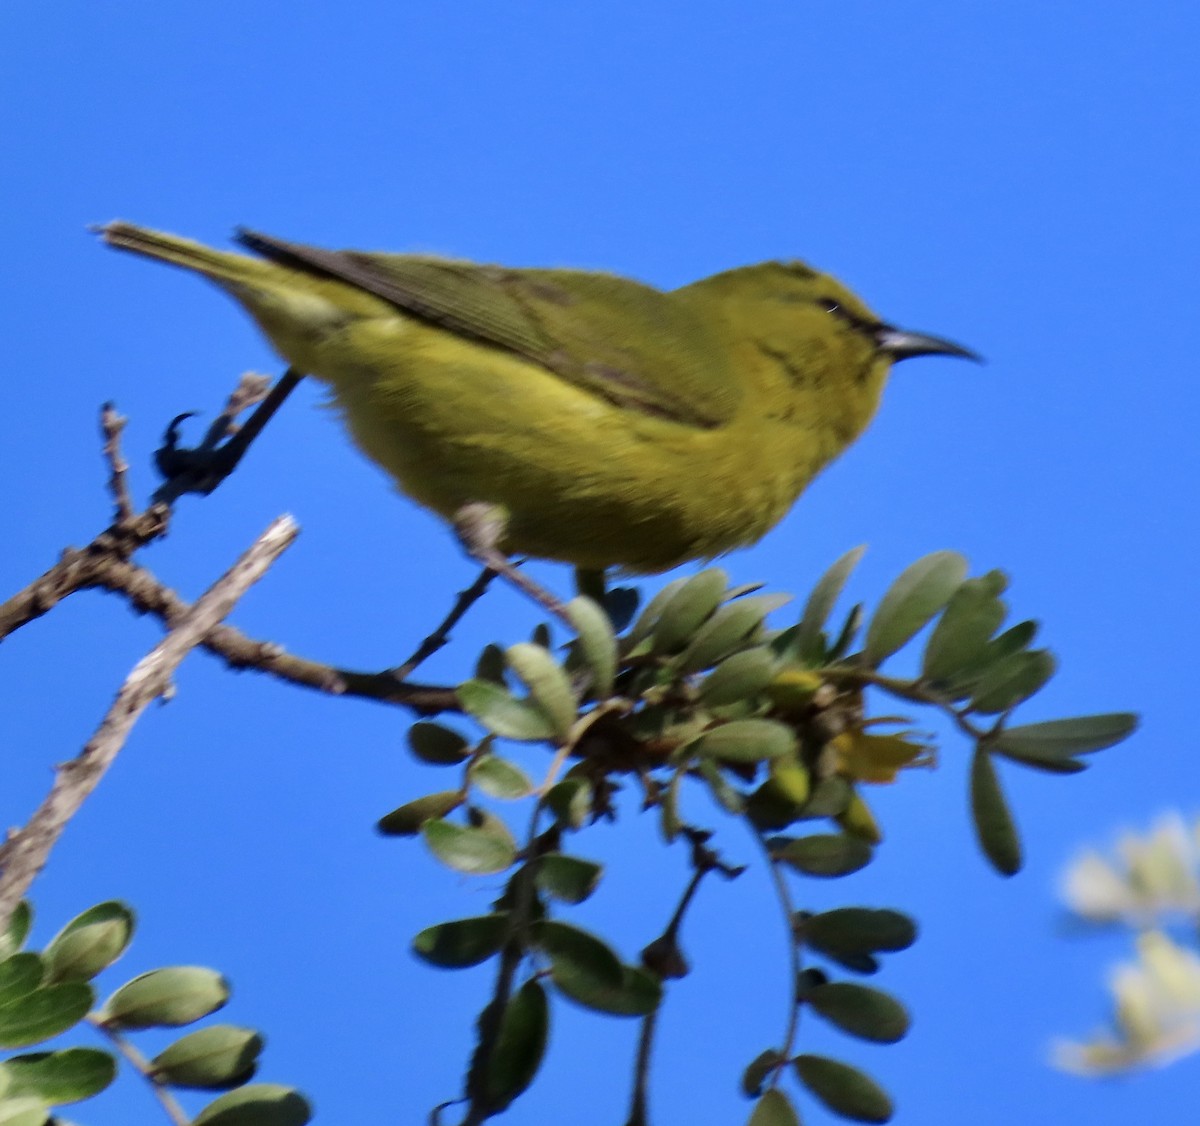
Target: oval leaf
463, 942
994, 826
166, 998
89, 943
1009, 681
502, 713
571, 801
821, 602
687, 609
728, 629
959, 640
44, 1013
639, 992
851, 932
520, 1045
757, 1071
844, 1089
468, 849
648, 618
568, 878
14, 935
19, 975
922, 589
408, 819
739, 677
549, 686
576, 953
823, 854
437, 745
500, 778
597, 643
1059, 739
260, 1104
867, 1013
746, 740
59, 1078
211, 1059
774, 1109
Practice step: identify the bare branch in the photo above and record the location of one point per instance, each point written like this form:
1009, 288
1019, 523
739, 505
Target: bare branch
27, 850
111, 425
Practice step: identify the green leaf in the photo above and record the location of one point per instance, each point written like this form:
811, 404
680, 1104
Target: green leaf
1011, 680
20, 974
43, 1013
520, 1045
571, 801
867, 1013
851, 935
437, 745
89, 943
687, 609
24, 1110
639, 992
14, 935
463, 942
922, 589
757, 1071
58, 1078
648, 619
821, 602
499, 778
490, 665
468, 849
822, 854
728, 630
166, 998
746, 740
502, 713
844, 1089
597, 643
994, 826
739, 677
960, 638
1059, 740
406, 821
774, 1109
211, 1059
576, 953
568, 878
259, 1104
549, 686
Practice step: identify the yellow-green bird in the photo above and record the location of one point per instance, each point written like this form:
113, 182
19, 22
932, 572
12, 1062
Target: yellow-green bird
601, 421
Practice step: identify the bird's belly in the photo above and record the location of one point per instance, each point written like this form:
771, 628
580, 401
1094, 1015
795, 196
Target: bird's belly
580, 479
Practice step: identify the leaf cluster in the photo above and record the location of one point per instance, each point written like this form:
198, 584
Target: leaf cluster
45, 994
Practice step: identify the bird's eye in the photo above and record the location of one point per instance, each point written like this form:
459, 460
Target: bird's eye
831, 306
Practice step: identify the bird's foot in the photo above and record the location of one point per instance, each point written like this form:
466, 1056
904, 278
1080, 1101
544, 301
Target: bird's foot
202, 468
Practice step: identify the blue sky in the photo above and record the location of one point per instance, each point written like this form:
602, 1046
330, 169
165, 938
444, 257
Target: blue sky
1016, 176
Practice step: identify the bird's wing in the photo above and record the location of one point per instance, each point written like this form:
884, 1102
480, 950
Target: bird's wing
625, 342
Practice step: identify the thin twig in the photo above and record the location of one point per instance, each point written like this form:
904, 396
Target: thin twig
784, 895
441, 636
146, 1069
27, 851
111, 425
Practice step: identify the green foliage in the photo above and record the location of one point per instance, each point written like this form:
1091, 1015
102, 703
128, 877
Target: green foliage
45, 995
701, 692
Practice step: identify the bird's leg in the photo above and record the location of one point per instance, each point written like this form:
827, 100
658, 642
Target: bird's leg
479, 528
202, 468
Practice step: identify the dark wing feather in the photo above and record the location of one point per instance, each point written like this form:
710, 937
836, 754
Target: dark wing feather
618, 339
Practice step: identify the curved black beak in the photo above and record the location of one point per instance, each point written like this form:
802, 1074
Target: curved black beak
901, 345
